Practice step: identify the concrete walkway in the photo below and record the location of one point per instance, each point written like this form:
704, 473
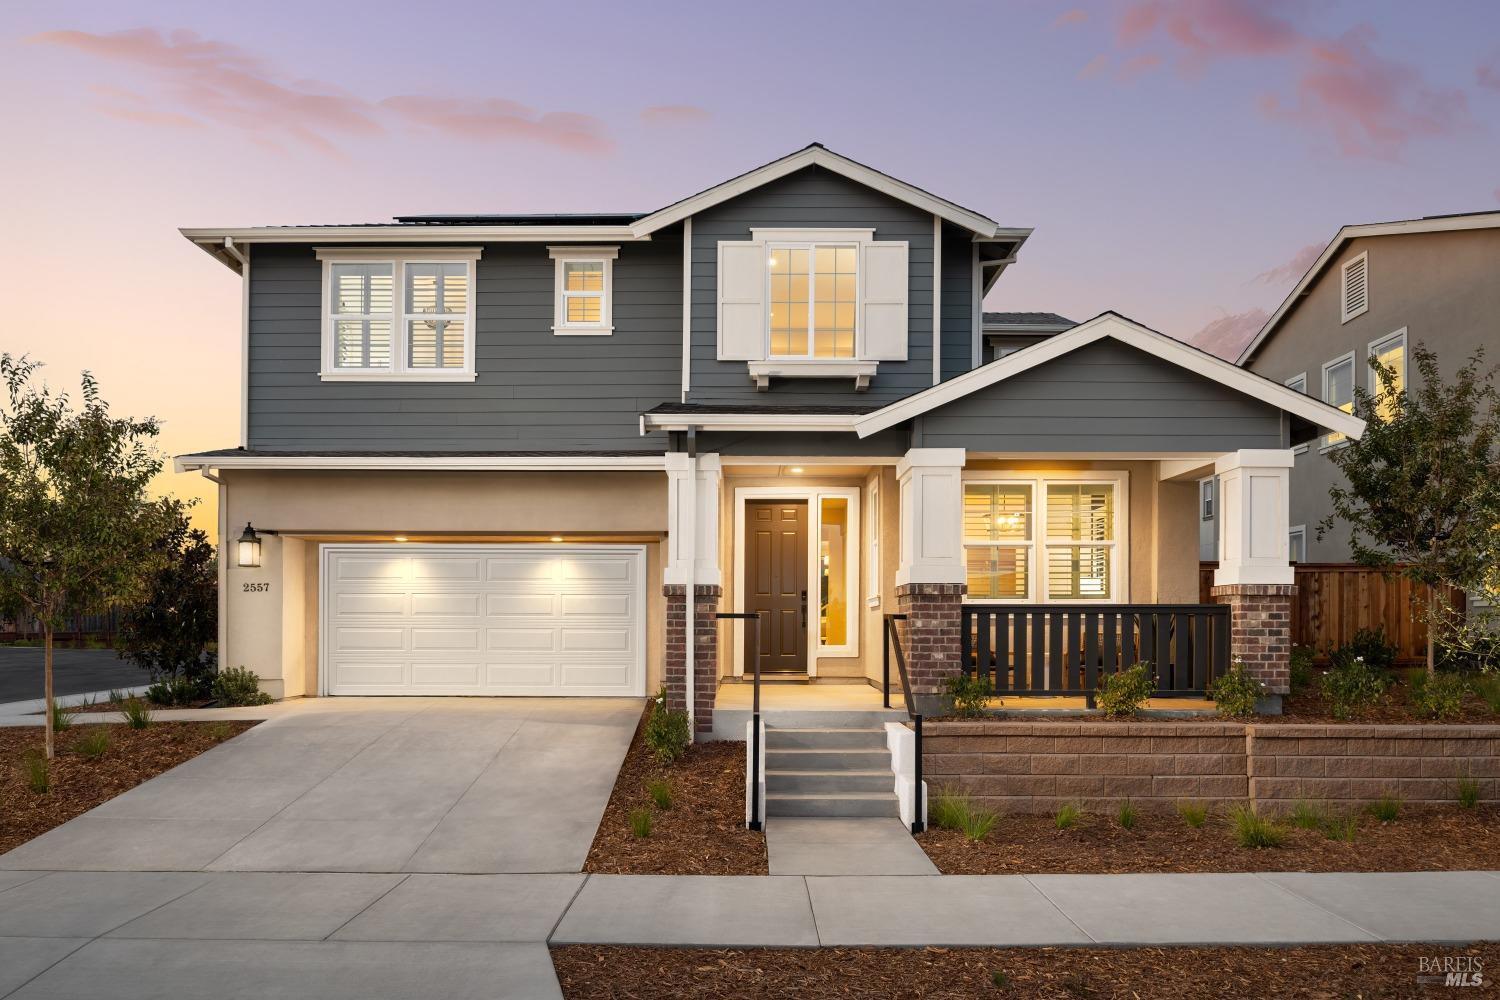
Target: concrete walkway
253, 934
799, 845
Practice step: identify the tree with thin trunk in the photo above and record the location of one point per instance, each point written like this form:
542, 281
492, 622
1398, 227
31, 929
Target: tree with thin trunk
1423, 493
79, 531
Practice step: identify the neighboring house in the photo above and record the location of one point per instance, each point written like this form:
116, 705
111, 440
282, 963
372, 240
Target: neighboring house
496, 454
1007, 332
1377, 289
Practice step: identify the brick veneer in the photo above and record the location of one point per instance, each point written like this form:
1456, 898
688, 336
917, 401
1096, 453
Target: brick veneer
706, 660
1037, 766
930, 637
1260, 631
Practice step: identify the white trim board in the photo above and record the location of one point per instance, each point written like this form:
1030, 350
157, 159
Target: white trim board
1126, 332
431, 463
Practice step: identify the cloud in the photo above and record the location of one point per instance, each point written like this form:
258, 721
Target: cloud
1487, 74
1227, 336
199, 80
1071, 17
1285, 274
1341, 88
674, 114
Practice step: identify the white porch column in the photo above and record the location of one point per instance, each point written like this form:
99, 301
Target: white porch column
1254, 487
932, 531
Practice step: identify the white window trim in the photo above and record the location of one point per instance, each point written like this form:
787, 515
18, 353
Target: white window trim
1378, 346
398, 371
1328, 445
566, 255
1206, 511
806, 365
1119, 582
814, 497
872, 550
1345, 315
1295, 531
1298, 449
810, 359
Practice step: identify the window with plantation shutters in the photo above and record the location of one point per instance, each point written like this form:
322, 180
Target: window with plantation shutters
391, 315
1030, 538
1356, 287
1080, 541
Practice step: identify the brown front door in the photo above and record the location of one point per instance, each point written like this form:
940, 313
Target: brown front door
776, 582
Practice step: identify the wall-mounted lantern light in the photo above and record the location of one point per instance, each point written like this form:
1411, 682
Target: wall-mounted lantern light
249, 549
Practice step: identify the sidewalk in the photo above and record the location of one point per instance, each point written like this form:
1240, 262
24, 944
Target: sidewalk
119, 934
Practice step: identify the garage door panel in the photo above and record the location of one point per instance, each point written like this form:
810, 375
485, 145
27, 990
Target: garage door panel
485, 620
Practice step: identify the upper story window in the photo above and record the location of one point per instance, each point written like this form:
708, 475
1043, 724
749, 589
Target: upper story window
813, 296
584, 289
1354, 290
1298, 383
1391, 353
398, 315
1338, 390
1069, 551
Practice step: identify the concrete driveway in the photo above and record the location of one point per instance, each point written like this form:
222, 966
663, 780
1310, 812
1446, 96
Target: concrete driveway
368, 785
74, 671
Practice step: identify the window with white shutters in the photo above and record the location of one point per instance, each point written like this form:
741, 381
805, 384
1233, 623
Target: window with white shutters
1356, 287
393, 316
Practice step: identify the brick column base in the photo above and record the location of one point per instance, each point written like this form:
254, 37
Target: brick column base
1260, 634
706, 659
931, 639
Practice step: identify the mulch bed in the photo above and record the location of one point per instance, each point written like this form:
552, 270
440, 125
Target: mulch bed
1435, 838
623, 973
703, 833
78, 784
1307, 705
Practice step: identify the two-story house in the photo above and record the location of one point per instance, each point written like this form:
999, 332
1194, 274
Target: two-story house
1375, 290
532, 455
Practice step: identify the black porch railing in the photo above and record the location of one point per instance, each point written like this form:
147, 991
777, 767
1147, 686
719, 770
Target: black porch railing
893, 646
1066, 649
752, 656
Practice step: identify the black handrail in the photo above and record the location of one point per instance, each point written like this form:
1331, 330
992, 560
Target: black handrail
893, 641
752, 651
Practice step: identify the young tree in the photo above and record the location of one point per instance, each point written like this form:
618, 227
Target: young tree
78, 530
1423, 493
169, 632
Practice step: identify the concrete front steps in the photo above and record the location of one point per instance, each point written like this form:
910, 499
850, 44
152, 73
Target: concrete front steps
829, 771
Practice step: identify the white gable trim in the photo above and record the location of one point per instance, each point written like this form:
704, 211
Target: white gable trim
1137, 336
1484, 220
829, 160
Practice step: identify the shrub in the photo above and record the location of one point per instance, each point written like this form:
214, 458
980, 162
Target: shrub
38, 773
1127, 815
1386, 808
1254, 831
1067, 817
1302, 666
969, 694
1468, 793
137, 714
1194, 814
61, 719
237, 686
978, 823
94, 743
947, 809
1308, 815
1370, 645
1124, 693
999, 979
178, 691
640, 822
1352, 686
1488, 688
1236, 693
1438, 696
667, 730
220, 731
1342, 827
660, 791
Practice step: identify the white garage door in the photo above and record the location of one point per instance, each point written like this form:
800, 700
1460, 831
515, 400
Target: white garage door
484, 619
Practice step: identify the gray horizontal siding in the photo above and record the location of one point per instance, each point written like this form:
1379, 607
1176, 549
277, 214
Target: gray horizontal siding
1106, 397
810, 198
534, 390
957, 304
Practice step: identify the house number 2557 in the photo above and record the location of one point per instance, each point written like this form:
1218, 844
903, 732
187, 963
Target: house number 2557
255, 588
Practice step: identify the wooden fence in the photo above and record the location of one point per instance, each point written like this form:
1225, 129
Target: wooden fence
1335, 599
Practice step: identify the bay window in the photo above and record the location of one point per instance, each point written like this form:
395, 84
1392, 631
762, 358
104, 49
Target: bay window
1043, 539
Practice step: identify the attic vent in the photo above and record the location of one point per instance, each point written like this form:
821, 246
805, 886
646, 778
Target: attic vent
1356, 297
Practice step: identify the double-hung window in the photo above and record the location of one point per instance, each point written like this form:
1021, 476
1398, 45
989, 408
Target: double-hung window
584, 288
1338, 391
398, 316
1391, 353
1046, 539
814, 298
1298, 383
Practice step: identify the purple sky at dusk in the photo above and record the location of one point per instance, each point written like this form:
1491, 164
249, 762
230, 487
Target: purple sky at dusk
1178, 159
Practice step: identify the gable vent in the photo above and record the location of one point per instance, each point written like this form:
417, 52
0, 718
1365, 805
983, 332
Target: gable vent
1356, 286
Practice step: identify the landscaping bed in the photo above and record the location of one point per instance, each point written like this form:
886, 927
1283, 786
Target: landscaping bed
701, 833
1445, 838
1307, 704
77, 782
624, 973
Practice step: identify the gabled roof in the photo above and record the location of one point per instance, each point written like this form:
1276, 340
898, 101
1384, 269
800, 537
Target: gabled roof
818, 155
1427, 224
1127, 331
